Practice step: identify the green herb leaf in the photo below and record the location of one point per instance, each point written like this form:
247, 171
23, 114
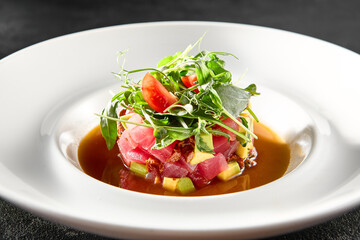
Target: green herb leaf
220, 133
109, 127
234, 99
252, 89
202, 73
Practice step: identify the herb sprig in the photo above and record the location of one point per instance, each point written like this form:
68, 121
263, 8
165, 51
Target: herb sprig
193, 113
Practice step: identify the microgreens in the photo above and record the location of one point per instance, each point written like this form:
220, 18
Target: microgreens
194, 113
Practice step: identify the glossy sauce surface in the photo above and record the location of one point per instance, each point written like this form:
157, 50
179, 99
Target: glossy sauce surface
272, 162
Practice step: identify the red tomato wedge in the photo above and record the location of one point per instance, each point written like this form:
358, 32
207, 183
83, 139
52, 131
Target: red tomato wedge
155, 94
190, 81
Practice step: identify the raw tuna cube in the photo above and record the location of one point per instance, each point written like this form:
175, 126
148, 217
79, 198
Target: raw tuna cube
130, 153
213, 166
134, 118
174, 170
164, 153
198, 180
137, 155
187, 165
126, 135
232, 149
124, 147
221, 144
142, 136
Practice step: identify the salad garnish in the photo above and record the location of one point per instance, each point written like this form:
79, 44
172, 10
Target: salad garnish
184, 96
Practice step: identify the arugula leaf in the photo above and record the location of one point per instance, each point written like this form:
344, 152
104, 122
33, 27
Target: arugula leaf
234, 99
109, 127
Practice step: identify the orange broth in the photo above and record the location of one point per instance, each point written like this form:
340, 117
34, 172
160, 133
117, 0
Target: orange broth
272, 162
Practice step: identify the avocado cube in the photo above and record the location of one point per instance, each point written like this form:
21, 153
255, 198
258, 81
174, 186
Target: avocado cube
232, 170
185, 186
170, 183
202, 156
139, 169
243, 152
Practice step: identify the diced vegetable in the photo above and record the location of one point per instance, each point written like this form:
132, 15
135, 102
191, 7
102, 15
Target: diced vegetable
232, 171
170, 183
185, 186
139, 169
190, 81
155, 94
202, 156
243, 152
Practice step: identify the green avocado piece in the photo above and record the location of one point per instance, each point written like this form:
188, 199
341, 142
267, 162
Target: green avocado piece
185, 186
139, 169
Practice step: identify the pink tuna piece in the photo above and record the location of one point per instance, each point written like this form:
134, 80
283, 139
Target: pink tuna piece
142, 136
213, 166
134, 118
129, 152
198, 180
174, 170
164, 153
221, 144
186, 165
230, 123
137, 155
125, 145
232, 149
126, 135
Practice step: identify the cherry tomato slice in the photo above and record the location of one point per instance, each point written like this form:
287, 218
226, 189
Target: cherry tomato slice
155, 94
190, 81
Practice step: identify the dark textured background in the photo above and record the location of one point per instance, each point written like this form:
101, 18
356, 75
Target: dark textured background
23, 23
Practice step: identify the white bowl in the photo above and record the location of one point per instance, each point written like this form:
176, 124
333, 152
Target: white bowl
51, 90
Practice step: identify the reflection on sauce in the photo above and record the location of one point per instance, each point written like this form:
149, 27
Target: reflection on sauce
272, 161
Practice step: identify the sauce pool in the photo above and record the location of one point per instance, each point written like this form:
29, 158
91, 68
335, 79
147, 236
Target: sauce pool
272, 162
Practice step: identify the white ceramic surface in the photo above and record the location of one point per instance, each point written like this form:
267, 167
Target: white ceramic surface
50, 91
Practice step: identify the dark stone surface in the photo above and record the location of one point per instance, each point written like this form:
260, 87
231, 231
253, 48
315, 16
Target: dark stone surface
23, 23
